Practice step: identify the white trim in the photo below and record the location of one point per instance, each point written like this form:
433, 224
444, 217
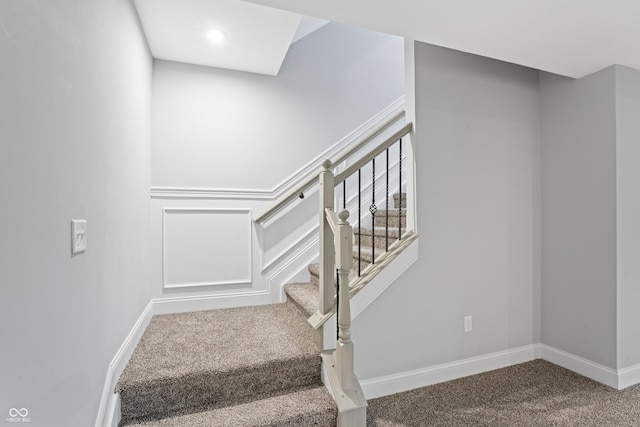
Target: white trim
210, 193
537, 351
351, 402
212, 302
396, 383
109, 409
114, 411
628, 376
580, 365
324, 373
305, 256
287, 252
158, 192
394, 108
213, 211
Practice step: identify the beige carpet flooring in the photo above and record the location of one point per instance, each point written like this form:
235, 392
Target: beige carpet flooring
536, 393
206, 360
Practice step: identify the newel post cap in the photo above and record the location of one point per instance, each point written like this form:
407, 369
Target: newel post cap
343, 215
327, 164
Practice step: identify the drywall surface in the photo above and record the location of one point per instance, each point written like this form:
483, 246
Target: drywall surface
222, 129
579, 215
74, 144
628, 215
477, 154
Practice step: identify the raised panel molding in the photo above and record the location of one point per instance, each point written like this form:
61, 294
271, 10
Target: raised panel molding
206, 247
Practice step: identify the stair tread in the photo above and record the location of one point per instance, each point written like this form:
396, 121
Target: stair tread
392, 212
313, 406
304, 295
233, 354
379, 230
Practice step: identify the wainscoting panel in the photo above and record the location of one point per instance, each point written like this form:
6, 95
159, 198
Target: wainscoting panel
206, 247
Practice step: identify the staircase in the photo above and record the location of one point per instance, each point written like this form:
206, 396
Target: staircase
261, 365
247, 366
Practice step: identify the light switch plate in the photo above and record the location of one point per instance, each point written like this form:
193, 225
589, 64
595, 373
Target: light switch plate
78, 236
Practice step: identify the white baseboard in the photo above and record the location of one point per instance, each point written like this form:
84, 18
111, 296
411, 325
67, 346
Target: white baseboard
580, 365
212, 302
109, 409
396, 383
628, 377
113, 413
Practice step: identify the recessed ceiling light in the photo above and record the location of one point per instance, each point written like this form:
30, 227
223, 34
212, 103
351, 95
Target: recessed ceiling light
216, 36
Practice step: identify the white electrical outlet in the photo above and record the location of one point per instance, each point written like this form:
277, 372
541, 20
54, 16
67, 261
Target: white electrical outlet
468, 323
78, 236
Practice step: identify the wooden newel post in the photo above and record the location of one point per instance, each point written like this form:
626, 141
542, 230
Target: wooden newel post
326, 239
344, 346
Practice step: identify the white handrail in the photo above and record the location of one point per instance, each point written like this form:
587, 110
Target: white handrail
373, 153
333, 219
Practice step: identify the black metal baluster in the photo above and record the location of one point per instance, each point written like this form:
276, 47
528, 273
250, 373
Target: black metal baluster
400, 191
344, 194
386, 212
359, 219
373, 210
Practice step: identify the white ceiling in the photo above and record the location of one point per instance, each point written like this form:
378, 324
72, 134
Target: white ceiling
568, 37
257, 37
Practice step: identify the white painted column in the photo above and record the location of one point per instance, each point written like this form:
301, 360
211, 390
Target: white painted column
344, 346
327, 259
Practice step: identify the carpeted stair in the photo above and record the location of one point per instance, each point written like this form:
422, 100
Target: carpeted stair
248, 366
385, 230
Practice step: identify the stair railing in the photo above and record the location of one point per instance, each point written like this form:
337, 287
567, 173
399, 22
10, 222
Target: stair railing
300, 190
336, 235
336, 259
328, 182
356, 168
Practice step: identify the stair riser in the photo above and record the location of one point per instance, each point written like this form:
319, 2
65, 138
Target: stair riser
379, 241
381, 220
184, 395
398, 201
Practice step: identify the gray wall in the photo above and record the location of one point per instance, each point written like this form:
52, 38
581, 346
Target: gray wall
579, 215
628, 215
478, 204
75, 85
214, 128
